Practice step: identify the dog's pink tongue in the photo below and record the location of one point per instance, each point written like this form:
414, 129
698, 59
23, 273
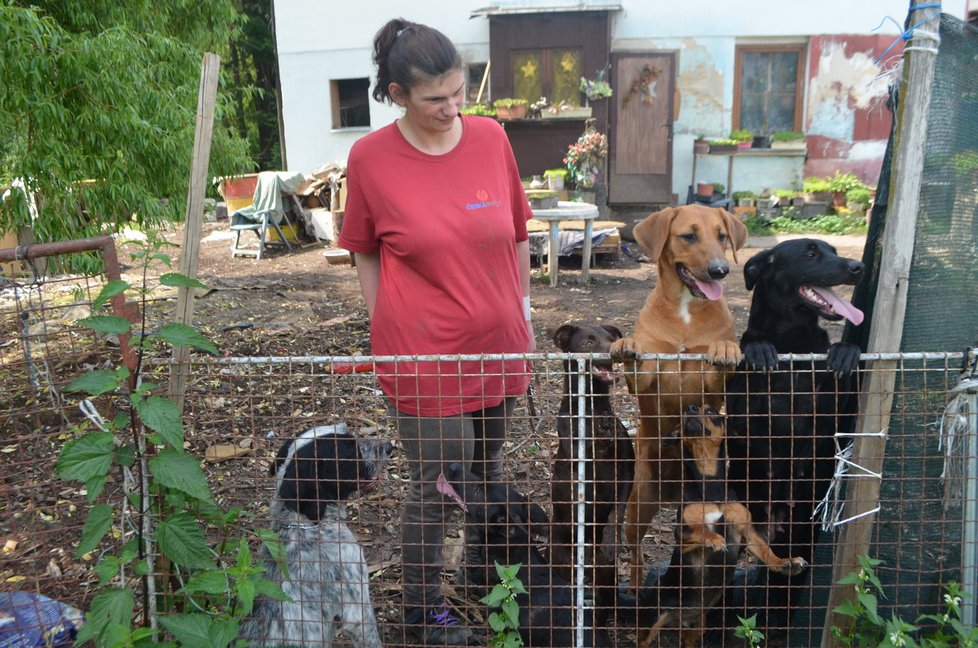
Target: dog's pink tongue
712, 289
840, 306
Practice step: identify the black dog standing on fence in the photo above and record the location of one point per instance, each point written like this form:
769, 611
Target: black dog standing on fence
498, 521
327, 575
609, 470
783, 416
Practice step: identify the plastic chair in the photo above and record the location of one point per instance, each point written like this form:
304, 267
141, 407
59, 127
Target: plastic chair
260, 227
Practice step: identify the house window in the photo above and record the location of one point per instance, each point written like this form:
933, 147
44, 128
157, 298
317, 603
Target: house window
768, 88
553, 73
474, 74
351, 103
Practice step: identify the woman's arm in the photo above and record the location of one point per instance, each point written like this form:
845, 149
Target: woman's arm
368, 272
523, 261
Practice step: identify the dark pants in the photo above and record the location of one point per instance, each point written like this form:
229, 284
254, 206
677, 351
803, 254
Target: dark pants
475, 440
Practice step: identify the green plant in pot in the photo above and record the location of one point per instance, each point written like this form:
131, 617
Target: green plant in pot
479, 110
788, 139
511, 108
555, 178
743, 137
842, 183
723, 144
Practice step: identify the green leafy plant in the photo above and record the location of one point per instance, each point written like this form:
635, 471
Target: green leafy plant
193, 588
740, 195
844, 182
787, 136
509, 102
742, 135
816, 185
555, 173
718, 187
859, 195
747, 630
723, 142
867, 627
825, 224
479, 110
505, 618
595, 89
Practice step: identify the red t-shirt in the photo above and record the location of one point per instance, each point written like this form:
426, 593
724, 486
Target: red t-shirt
446, 227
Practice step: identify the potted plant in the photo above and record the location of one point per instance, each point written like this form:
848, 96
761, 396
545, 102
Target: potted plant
817, 189
840, 184
509, 108
788, 140
542, 199
723, 145
704, 190
701, 145
597, 88
719, 188
857, 199
555, 178
743, 137
744, 198
585, 158
479, 110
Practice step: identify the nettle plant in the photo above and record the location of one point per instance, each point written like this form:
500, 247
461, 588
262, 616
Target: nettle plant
161, 534
505, 618
867, 627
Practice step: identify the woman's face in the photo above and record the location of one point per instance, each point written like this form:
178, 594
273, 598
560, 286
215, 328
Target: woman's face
432, 105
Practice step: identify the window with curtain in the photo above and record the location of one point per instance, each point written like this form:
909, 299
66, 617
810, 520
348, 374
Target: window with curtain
551, 73
769, 88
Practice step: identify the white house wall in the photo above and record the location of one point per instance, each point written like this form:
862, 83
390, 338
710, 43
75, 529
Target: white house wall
320, 41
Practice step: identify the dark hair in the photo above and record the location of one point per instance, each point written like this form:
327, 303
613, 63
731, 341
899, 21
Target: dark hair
406, 52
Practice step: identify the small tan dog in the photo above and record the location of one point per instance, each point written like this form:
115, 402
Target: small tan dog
684, 313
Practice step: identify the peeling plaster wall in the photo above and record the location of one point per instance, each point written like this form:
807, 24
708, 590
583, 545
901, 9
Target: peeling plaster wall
848, 122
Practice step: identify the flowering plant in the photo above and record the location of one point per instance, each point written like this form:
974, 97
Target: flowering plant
595, 89
585, 157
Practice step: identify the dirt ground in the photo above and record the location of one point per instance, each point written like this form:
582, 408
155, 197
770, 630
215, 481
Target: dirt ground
302, 291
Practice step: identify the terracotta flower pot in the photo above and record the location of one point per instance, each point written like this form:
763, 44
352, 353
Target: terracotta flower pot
511, 112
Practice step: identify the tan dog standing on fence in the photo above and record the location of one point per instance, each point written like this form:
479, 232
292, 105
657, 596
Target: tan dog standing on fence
684, 313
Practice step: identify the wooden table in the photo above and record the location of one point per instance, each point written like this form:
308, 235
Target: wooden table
568, 211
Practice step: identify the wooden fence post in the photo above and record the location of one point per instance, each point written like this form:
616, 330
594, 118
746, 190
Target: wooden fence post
206, 100
889, 309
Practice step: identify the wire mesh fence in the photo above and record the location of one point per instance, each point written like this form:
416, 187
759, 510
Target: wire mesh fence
241, 411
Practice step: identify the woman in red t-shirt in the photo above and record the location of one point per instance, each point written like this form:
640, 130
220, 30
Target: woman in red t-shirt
436, 216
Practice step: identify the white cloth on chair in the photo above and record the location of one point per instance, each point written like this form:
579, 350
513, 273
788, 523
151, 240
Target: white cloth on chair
268, 195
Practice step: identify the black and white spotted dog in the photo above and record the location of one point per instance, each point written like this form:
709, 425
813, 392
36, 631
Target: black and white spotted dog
327, 574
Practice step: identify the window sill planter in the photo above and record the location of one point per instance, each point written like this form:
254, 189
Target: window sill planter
701, 146
800, 145
723, 148
583, 112
510, 113
741, 146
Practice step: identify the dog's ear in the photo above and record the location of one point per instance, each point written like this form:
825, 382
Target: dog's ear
562, 336
736, 231
756, 267
653, 232
613, 331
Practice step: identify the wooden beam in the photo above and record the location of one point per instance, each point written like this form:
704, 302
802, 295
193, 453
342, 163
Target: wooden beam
206, 100
889, 307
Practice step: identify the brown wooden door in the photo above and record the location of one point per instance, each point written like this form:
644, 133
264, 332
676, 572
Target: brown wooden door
640, 154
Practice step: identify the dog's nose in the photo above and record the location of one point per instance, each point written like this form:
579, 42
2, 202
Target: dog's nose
856, 267
692, 409
718, 270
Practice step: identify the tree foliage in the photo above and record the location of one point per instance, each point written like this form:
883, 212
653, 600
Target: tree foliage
98, 105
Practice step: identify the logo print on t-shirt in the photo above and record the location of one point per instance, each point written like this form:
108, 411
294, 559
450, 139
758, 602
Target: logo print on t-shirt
482, 201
